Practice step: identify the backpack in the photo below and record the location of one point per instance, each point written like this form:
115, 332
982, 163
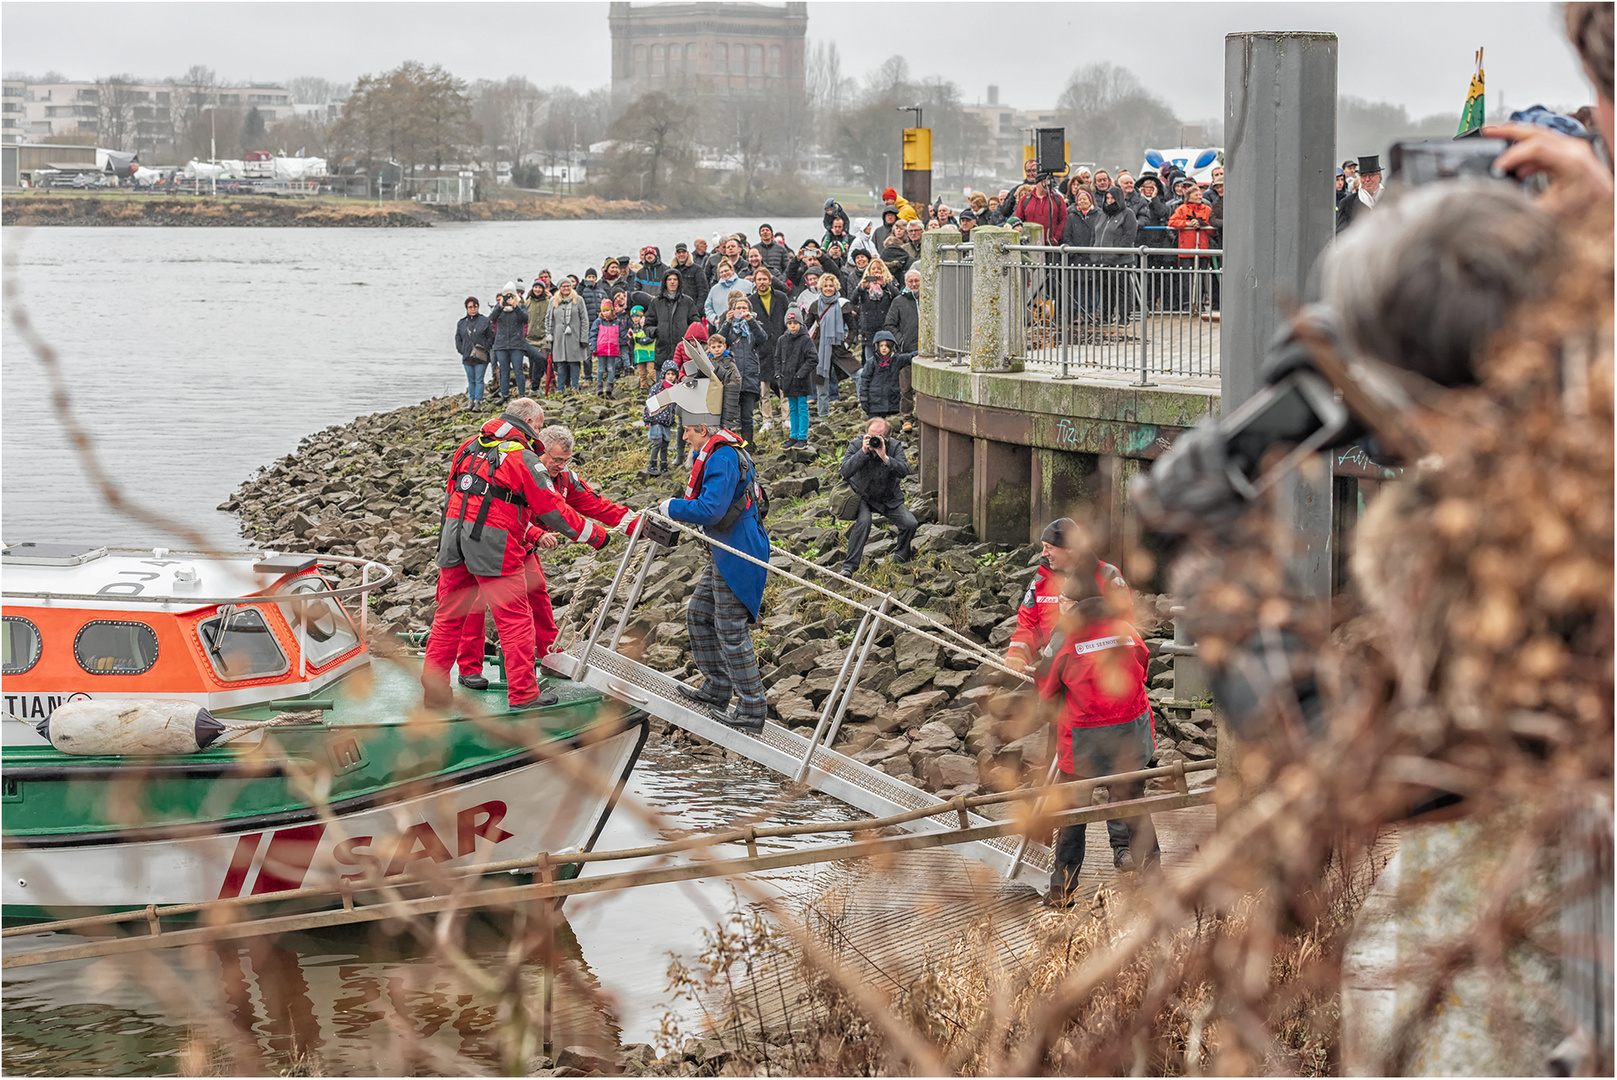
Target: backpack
739, 504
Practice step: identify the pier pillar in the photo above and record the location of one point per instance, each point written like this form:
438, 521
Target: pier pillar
927, 264
1279, 215
989, 297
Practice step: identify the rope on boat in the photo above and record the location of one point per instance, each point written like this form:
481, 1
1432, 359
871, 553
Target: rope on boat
236, 731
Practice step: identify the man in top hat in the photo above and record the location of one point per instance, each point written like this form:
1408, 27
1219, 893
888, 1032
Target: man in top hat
1351, 205
722, 498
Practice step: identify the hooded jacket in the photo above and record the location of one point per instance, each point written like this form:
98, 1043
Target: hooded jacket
692, 278
650, 276
1115, 227
904, 320
863, 239
883, 387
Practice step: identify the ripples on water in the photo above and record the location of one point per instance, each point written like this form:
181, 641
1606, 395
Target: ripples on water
195, 356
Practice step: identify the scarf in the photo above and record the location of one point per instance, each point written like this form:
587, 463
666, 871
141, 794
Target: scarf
722, 437
830, 331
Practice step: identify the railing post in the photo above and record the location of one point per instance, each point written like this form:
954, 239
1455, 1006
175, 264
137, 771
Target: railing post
1139, 285
927, 263
606, 604
991, 296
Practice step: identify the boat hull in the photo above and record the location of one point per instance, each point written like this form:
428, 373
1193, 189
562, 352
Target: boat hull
552, 800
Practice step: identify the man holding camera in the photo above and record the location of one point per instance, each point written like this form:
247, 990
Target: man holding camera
873, 467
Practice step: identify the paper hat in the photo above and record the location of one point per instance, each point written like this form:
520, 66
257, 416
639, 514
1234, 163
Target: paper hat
699, 393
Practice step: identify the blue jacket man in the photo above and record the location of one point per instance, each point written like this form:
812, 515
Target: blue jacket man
722, 498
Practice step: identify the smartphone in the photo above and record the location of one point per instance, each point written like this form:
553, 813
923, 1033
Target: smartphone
1301, 410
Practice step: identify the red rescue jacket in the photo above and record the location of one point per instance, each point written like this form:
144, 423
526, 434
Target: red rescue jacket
1099, 673
1041, 607
500, 500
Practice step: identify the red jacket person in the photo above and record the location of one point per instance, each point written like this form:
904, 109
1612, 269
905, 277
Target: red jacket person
501, 503
555, 454
1065, 551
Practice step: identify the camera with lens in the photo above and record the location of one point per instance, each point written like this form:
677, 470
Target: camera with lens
873, 443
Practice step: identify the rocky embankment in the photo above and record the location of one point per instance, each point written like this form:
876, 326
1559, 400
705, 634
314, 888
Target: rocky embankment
81, 208
375, 488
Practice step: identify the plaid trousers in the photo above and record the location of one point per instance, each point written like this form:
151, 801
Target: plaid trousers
721, 643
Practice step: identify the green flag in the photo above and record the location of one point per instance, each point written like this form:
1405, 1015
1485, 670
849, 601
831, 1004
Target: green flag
1472, 116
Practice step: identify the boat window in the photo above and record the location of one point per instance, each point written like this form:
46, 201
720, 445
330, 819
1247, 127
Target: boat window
111, 647
240, 644
19, 644
326, 632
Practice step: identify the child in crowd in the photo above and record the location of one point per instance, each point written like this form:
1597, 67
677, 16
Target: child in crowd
795, 361
662, 426
885, 368
606, 344
670, 376
645, 349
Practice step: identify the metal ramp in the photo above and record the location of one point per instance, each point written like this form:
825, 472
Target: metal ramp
808, 760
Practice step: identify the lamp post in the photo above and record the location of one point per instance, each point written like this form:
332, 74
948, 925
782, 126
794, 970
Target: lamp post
887, 166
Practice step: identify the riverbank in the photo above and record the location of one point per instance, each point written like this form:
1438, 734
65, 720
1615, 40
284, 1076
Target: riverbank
374, 488
119, 208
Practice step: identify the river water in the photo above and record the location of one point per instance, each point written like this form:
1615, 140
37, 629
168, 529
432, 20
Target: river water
193, 357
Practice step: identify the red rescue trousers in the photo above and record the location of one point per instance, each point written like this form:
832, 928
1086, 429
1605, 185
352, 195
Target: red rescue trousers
520, 603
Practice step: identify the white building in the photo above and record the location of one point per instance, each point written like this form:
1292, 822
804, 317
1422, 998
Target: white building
149, 112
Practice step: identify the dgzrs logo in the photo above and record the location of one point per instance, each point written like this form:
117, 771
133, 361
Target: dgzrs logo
465, 482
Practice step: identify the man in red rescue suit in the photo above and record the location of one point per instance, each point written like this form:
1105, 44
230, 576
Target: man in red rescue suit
1066, 553
1095, 670
501, 502
555, 454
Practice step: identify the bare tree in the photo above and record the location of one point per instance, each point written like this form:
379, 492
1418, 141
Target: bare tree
115, 111
313, 90
1111, 117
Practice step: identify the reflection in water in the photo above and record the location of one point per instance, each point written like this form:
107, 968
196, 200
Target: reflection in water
356, 1001
371, 1000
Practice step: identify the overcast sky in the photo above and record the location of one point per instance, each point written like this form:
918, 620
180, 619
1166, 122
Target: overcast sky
1416, 55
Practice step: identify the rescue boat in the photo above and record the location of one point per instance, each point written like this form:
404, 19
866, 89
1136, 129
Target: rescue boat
327, 775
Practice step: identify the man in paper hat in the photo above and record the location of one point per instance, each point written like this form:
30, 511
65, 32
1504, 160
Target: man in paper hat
722, 497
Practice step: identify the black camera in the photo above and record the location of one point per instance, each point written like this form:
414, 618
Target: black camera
872, 442
1424, 161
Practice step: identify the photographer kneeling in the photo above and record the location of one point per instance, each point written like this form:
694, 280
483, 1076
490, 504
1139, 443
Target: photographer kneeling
873, 466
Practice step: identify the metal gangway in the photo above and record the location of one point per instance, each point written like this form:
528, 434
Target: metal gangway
595, 662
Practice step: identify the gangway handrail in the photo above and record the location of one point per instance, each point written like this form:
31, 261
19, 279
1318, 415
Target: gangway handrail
967, 647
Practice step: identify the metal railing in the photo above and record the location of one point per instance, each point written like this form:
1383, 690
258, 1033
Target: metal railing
954, 302
1089, 310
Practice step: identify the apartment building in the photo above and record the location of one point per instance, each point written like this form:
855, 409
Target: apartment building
139, 115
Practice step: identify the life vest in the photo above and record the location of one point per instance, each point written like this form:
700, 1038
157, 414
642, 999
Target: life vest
472, 476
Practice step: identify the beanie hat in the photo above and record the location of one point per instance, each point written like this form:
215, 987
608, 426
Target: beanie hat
637, 310
793, 314
508, 287
889, 195
696, 332
1059, 532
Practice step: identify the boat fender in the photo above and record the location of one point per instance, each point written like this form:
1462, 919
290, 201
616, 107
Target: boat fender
131, 727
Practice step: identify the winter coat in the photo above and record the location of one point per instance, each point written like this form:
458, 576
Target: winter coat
625, 347
718, 298
746, 341
1080, 232
897, 256
510, 327
831, 215
904, 320
1047, 210
692, 280
667, 319
873, 310
1188, 219
863, 240
1098, 674
773, 318
729, 375
882, 387
568, 327
842, 356
537, 310
1115, 227
1152, 217
795, 361
722, 475
651, 277
875, 480
473, 331
776, 256
592, 295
